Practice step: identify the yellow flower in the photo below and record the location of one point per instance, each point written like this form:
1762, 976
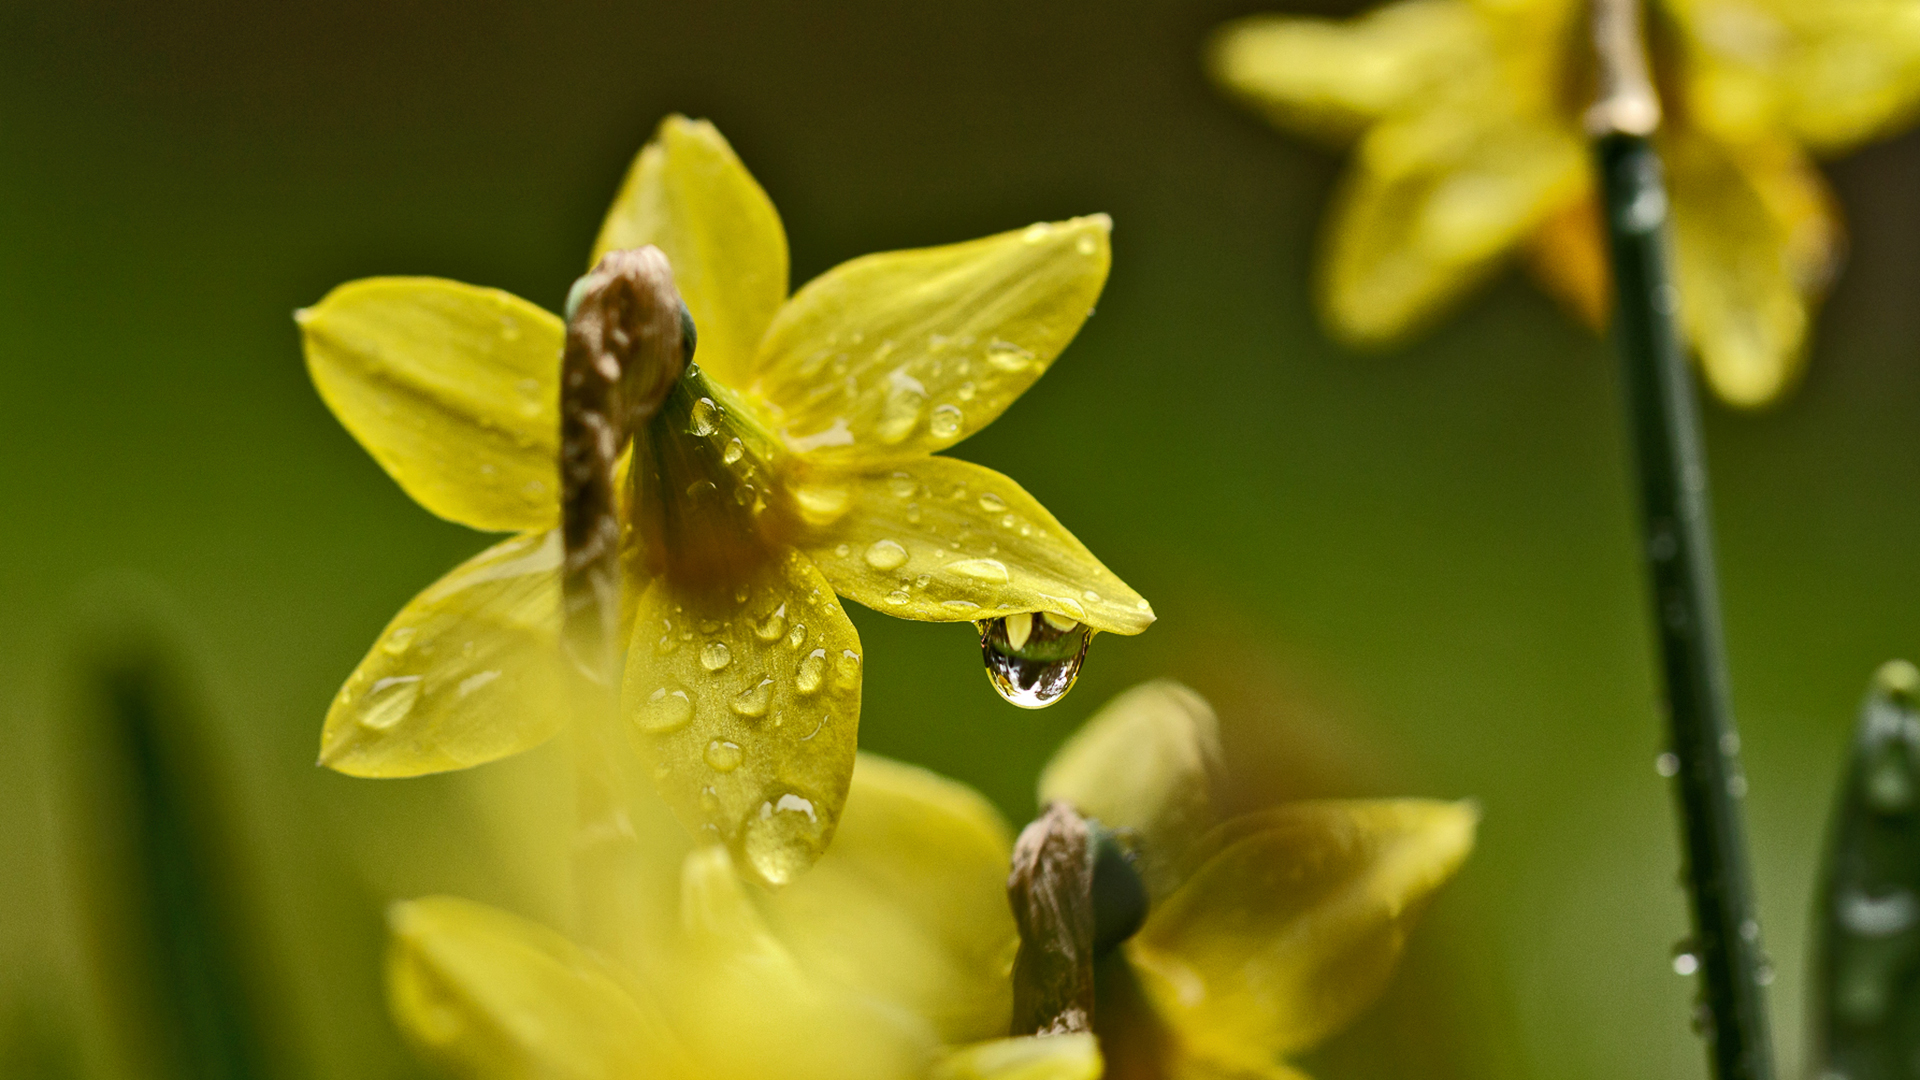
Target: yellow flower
794, 461
1466, 115
891, 959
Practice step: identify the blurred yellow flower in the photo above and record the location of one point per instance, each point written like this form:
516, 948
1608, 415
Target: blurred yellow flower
1466, 119
793, 462
892, 958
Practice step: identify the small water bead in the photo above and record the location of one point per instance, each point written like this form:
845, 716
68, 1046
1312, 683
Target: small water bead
773, 626
709, 626
715, 656
822, 504
966, 391
946, 421
902, 485
704, 419
843, 550
1037, 232
900, 414
665, 710
812, 672
898, 596
1032, 662
1008, 357
1007, 521
1086, 245
913, 513
980, 569
846, 670
886, 555
388, 701
396, 642
992, 503
797, 636
734, 452
755, 700
723, 756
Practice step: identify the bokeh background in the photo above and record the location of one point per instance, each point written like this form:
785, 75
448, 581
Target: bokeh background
1411, 573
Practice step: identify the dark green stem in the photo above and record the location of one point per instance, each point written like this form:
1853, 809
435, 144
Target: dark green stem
1665, 430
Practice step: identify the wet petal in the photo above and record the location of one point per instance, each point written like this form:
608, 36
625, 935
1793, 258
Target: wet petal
689, 194
1432, 204
465, 674
947, 541
1755, 242
490, 995
454, 390
1327, 77
1293, 925
1143, 764
910, 905
893, 356
747, 701
1025, 1057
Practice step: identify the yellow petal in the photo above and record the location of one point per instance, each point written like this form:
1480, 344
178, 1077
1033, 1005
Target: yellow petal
489, 995
465, 674
1295, 922
1329, 78
688, 194
1836, 74
1143, 763
1431, 206
946, 541
452, 388
893, 356
1755, 242
748, 703
1026, 1057
748, 1009
909, 906
1567, 254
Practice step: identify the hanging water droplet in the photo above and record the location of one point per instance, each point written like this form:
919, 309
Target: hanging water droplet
898, 596
1033, 662
1667, 764
666, 710
1685, 960
704, 419
755, 700
715, 655
783, 838
886, 555
813, 672
945, 422
723, 756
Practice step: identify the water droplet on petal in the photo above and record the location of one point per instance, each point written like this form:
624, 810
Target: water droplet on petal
900, 414
966, 391
774, 625
1008, 357
1033, 662
846, 669
945, 422
783, 838
898, 596
397, 641
886, 555
980, 569
704, 419
388, 701
797, 636
992, 503
813, 672
734, 452
715, 656
755, 700
902, 485
1086, 245
822, 504
723, 756
665, 710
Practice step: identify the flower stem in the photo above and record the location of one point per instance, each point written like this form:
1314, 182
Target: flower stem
1664, 428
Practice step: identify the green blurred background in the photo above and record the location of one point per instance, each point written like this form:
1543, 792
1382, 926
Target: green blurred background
1403, 574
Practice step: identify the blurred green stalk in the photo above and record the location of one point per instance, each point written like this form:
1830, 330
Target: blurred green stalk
1664, 427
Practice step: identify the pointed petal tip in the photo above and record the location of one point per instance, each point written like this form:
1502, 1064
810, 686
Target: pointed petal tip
303, 316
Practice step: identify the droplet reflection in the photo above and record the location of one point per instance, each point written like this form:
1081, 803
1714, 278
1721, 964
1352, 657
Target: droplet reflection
1033, 662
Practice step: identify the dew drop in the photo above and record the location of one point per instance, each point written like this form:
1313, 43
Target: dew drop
1008, 357
704, 419
822, 504
966, 391
723, 756
1667, 764
843, 550
665, 710
813, 672
992, 503
1033, 662
945, 421
784, 838
980, 569
715, 656
900, 414
902, 485
797, 636
755, 700
886, 555
898, 596
396, 642
734, 452
774, 625
846, 670
388, 702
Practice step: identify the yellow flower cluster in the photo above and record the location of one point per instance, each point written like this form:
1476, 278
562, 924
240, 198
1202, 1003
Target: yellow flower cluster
806, 435
1466, 121
891, 958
